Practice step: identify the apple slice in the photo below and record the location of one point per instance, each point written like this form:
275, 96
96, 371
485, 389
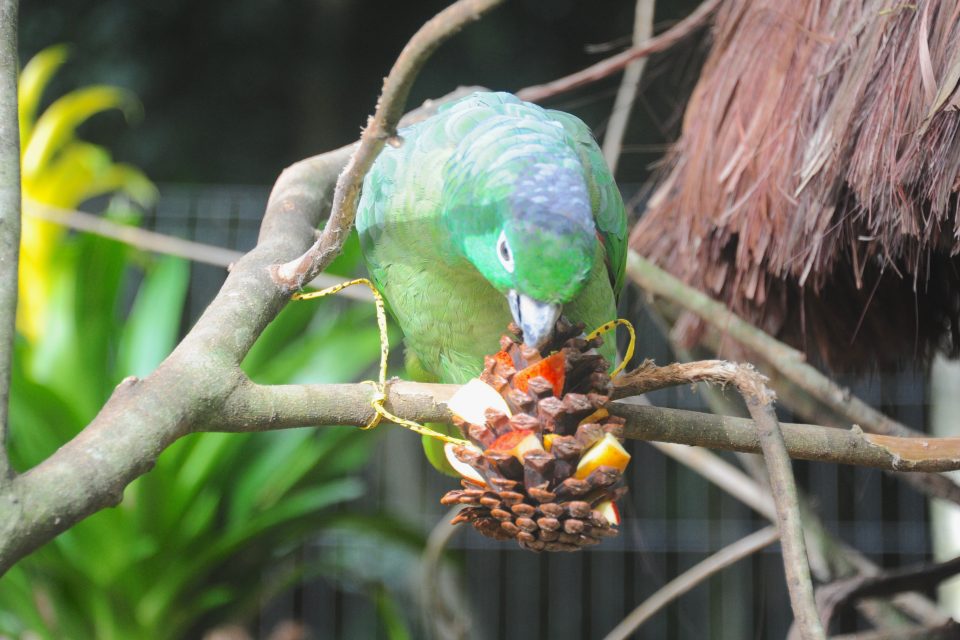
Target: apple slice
608, 509
473, 399
517, 443
465, 470
606, 452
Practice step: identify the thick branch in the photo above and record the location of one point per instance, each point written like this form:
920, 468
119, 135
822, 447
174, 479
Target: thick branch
257, 408
91, 471
380, 128
788, 361
615, 63
803, 441
188, 390
9, 214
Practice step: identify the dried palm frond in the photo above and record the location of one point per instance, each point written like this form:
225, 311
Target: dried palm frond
814, 187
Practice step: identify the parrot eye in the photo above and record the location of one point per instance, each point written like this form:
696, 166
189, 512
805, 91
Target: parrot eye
504, 253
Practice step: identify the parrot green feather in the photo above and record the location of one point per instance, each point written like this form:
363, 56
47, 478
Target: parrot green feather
492, 207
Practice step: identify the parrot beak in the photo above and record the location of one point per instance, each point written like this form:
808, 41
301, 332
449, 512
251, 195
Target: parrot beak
536, 319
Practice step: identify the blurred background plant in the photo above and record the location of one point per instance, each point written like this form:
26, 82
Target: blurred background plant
199, 541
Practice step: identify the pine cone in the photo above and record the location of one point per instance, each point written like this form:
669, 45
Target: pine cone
543, 481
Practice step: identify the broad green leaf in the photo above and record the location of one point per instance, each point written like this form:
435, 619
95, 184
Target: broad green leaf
390, 616
152, 328
286, 329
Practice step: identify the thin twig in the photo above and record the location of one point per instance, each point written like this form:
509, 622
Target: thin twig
789, 362
9, 215
629, 84
949, 630
444, 619
690, 578
381, 127
833, 557
784, 487
164, 244
613, 64
834, 597
759, 400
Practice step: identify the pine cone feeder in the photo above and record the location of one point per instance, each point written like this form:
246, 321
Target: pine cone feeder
547, 465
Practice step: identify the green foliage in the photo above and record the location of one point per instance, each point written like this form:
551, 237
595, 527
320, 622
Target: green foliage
190, 543
191, 538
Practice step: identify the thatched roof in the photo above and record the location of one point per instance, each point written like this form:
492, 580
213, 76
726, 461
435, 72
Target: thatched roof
814, 187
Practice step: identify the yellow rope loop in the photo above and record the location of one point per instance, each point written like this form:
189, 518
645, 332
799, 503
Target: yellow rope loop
381, 315
377, 403
610, 326
380, 395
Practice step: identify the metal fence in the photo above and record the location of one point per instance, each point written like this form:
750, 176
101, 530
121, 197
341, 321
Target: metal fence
672, 518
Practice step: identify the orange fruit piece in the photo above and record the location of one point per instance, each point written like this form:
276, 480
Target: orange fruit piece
517, 443
553, 368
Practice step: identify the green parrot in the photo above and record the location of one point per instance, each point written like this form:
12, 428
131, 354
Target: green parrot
493, 209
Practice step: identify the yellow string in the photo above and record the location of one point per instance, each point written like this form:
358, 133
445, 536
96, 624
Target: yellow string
380, 385
610, 326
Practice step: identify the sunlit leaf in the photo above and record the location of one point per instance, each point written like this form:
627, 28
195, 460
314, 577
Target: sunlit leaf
57, 125
34, 78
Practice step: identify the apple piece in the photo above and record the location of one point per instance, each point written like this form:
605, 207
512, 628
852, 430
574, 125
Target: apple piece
518, 443
472, 400
608, 509
606, 452
465, 470
552, 368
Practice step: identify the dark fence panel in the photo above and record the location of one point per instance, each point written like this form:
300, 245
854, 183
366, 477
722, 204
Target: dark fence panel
672, 517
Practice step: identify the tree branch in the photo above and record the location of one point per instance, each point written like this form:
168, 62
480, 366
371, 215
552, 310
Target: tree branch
829, 557
9, 215
155, 242
629, 83
803, 441
833, 597
949, 630
380, 128
787, 361
759, 400
690, 578
615, 63
190, 389
140, 420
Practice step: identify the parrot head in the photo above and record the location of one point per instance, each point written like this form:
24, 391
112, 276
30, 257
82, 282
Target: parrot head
537, 244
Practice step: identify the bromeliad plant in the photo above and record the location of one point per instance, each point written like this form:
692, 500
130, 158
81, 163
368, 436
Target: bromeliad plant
187, 547
61, 170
